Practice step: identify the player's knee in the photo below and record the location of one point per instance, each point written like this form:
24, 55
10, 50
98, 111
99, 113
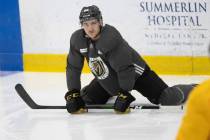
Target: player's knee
176, 95
94, 96
171, 96
85, 97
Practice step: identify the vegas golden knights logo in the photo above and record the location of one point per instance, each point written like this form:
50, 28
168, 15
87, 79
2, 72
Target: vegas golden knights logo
98, 68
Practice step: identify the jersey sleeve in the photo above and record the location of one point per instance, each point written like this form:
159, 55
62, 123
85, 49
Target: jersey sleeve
120, 60
74, 67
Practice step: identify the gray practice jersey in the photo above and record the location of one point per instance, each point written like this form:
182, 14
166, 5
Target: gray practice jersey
112, 61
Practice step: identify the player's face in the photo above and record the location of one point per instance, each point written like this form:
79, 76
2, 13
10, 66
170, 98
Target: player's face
92, 28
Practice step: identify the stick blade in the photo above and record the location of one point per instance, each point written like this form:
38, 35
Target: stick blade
30, 102
25, 97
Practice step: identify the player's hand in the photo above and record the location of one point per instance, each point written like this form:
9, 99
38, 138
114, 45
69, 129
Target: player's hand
74, 103
123, 102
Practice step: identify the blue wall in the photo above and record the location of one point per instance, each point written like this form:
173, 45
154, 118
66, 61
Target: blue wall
10, 36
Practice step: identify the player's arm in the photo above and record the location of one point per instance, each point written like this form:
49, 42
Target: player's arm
75, 61
115, 49
120, 61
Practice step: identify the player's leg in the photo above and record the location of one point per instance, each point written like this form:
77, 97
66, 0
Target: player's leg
94, 93
157, 91
150, 85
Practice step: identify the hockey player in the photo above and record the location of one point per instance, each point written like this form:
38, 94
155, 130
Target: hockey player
118, 69
196, 121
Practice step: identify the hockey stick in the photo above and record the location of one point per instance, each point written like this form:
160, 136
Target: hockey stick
33, 105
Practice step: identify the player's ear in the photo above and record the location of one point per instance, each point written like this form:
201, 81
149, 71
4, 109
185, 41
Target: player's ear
101, 22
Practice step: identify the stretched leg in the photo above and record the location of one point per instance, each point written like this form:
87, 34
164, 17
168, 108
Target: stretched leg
150, 85
94, 93
157, 91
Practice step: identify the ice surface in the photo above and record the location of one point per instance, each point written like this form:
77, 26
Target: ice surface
19, 122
